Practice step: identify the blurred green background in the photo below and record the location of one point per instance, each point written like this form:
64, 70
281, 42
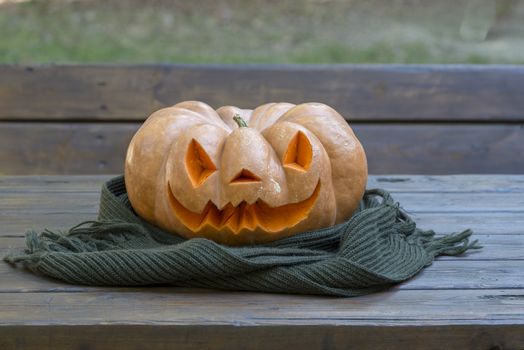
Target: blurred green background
261, 31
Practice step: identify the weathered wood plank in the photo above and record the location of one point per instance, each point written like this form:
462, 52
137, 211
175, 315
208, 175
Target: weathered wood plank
360, 92
281, 337
485, 223
16, 223
99, 148
41, 148
470, 307
418, 202
206, 307
444, 274
459, 202
442, 149
37, 208
55, 183
50, 202
446, 183
495, 246
393, 183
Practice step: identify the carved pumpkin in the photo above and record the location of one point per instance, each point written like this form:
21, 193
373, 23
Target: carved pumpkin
240, 176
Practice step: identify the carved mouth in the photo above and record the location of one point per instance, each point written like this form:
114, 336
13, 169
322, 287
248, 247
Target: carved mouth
244, 215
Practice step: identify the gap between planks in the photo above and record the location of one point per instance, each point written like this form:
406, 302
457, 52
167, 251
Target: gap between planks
496, 248
412, 202
190, 306
443, 275
392, 183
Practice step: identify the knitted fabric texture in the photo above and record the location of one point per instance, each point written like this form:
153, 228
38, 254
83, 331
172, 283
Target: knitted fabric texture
376, 248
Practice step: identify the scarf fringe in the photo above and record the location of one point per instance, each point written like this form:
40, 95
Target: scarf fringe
452, 244
93, 236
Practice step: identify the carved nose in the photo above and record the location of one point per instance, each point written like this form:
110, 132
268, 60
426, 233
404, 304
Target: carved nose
245, 176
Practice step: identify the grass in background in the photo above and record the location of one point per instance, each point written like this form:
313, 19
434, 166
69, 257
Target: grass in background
256, 31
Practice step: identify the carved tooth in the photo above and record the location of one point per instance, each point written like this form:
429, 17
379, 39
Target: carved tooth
245, 215
232, 221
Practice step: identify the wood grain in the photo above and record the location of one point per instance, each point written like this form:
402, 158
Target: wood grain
411, 119
63, 201
442, 275
53, 183
281, 337
499, 247
502, 223
359, 92
443, 149
476, 301
100, 148
206, 307
495, 246
42, 148
393, 183
418, 202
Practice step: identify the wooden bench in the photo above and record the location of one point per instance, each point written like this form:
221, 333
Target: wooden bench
426, 120
411, 119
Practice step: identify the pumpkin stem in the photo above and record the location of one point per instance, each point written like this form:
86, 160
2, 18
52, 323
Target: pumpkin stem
240, 121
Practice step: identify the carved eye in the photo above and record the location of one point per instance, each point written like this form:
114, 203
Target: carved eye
199, 165
299, 153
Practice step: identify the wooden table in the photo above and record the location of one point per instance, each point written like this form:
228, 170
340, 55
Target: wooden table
470, 302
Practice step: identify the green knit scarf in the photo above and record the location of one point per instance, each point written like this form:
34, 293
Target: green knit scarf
376, 248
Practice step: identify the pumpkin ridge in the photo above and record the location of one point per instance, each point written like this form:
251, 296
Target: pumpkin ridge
205, 112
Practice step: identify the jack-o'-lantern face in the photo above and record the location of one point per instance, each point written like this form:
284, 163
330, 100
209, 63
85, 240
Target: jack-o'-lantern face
236, 200
241, 176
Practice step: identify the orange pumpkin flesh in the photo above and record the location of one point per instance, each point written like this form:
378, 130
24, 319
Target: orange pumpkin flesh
244, 216
245, 176
198, 164
193, 171
299, 153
